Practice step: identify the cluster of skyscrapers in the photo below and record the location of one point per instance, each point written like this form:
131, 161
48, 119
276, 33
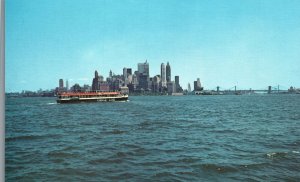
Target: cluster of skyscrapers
61, 86
138, 81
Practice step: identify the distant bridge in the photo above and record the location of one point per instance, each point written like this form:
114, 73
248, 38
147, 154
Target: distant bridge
269, 90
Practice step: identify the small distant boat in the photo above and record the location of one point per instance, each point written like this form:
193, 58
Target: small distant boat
75, 97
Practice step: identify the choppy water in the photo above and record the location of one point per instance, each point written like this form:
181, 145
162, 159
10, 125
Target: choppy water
161, 138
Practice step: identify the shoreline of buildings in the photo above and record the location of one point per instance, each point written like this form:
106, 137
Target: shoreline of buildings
134, 82
51, 93
140, 82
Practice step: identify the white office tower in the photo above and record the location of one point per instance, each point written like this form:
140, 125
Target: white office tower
163, 75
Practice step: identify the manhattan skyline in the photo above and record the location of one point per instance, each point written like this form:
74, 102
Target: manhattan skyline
251, 44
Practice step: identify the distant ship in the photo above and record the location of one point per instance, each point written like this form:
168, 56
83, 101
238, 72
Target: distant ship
75, 97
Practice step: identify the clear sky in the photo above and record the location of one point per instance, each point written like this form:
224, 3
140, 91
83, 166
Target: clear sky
248, 43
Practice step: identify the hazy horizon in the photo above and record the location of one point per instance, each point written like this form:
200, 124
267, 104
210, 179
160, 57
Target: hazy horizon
251, 43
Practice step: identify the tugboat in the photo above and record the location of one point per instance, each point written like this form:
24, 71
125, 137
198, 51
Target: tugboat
75, 97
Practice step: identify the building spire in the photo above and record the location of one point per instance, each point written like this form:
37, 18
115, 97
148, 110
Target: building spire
96, 74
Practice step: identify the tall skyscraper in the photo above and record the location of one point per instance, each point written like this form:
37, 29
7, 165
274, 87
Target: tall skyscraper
168, 72
126, 73
143, 75
177, 80
177, 85
189, 87
96, 74
125, 76
143, 68
155, 83
197, 85
67, 85
61, 83
96, 80
163, 75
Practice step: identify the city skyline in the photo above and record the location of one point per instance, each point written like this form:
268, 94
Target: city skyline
138, 81
251, 44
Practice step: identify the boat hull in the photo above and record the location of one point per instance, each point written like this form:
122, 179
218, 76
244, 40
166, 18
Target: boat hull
98, 99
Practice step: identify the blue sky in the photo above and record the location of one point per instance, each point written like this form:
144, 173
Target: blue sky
248, 43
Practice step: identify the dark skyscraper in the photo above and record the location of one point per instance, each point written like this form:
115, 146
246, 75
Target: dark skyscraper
177, 85
96, 80
143, 75
197, 85
129, 71
61, 83
99, 84
168, 72
143, 81
177, 80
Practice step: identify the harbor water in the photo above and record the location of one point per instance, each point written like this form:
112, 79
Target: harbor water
154, 138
